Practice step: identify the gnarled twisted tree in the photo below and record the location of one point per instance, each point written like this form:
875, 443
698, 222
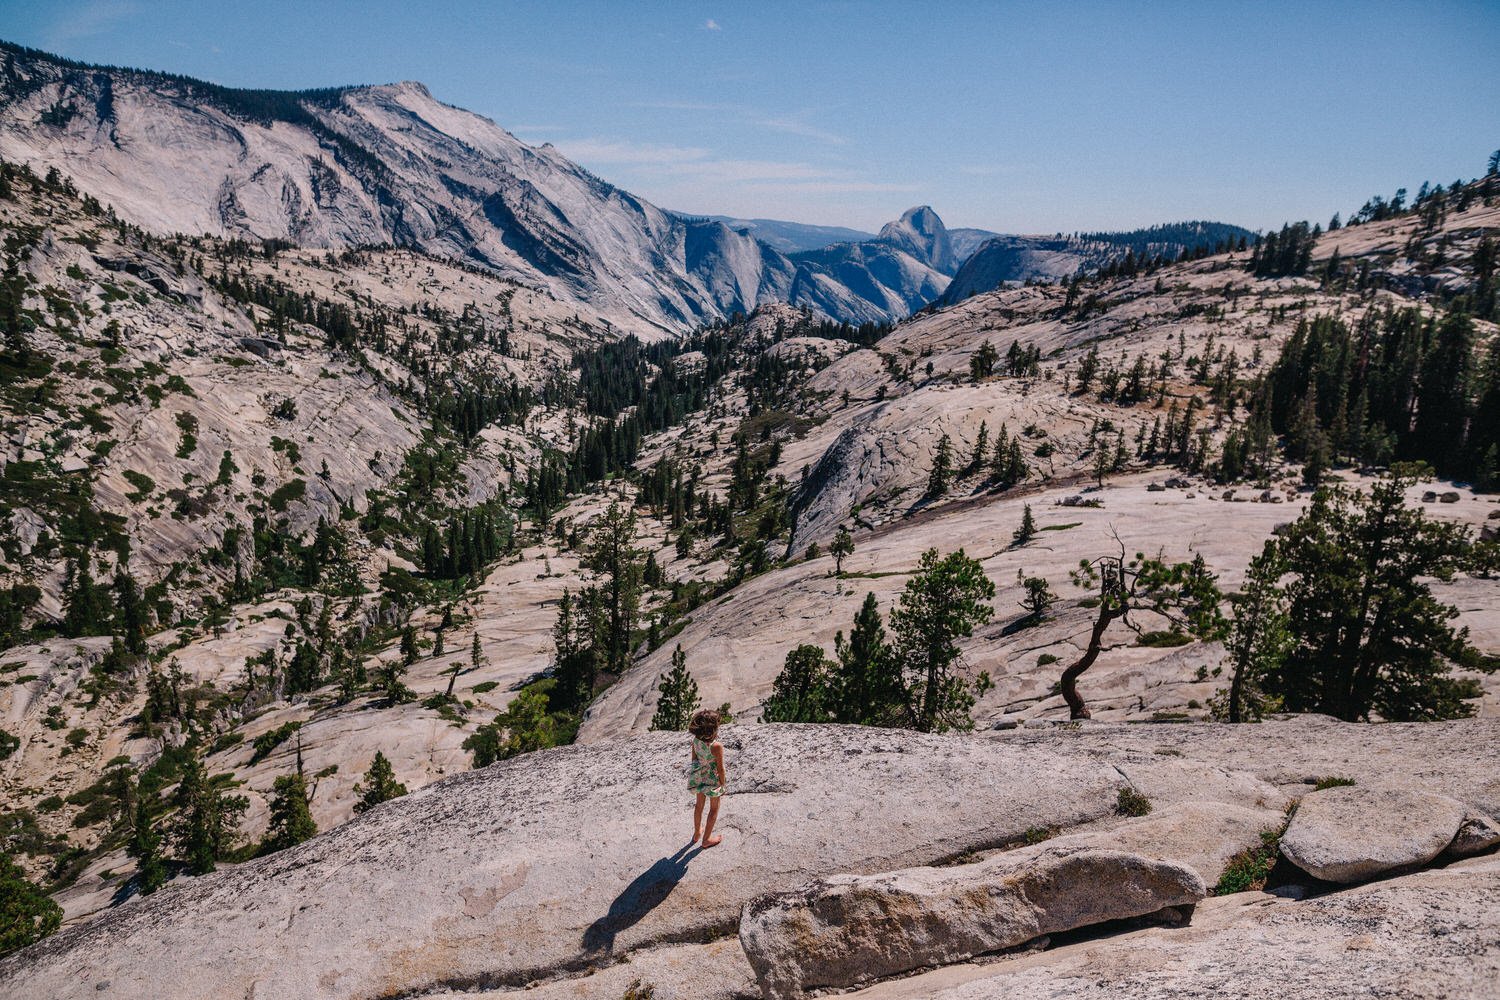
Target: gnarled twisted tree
1184, 593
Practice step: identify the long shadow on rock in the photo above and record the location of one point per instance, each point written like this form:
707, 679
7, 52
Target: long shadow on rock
648, 891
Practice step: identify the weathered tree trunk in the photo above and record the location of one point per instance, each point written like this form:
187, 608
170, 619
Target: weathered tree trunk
1076, 707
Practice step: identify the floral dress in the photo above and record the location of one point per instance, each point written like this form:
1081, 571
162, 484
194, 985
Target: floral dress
703, 773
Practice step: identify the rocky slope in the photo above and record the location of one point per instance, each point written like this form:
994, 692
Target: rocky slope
567, 869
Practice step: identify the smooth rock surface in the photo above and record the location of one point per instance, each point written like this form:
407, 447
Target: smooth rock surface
561, 861
843, 930
1354, 834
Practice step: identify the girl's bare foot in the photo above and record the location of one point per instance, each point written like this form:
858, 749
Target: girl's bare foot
712, 841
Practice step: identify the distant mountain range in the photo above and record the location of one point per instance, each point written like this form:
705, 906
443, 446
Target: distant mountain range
390, 164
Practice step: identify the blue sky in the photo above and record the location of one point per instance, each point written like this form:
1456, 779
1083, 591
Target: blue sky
1007, 116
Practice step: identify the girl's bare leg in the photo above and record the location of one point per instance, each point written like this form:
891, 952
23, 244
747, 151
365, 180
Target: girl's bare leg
709, 840
698, 817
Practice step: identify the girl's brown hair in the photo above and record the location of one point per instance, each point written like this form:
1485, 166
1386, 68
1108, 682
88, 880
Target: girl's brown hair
705, 724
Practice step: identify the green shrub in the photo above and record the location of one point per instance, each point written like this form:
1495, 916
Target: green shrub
1166, 639
1249, 869
187, 424
1332, 782
484, 686
270, 740
143, 484
287, 493
1132, 803
1046, 660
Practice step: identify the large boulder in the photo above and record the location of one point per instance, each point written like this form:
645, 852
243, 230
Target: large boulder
846, 929
1353, 834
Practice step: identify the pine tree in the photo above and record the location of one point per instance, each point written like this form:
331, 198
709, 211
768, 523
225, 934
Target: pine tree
868, 688
981, 450
1369, 638
841, 548
291, 820
1039, 598
942, 469
206, 818
27, 913
943, 602
145, 846
84, 612
612, 552
379, 785
1258, 639
1027, 531
130, 613
803, 690
678, 695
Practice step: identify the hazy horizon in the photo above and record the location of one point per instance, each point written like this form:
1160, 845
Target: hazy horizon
1006, 117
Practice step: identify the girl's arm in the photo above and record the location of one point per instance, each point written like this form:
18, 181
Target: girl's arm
718, 749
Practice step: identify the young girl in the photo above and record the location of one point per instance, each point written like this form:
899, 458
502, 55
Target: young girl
706, 775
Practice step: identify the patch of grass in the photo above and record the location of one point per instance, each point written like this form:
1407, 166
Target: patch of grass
1037, 834
1249, 869
1061, 527
485, 686
1132, 803
1046, 660
1163, 639
1333, 781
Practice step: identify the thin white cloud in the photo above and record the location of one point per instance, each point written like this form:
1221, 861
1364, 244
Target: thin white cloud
985, 170
634, 153
792, 126
711, 25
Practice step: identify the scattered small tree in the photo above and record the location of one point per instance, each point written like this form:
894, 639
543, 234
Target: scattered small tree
678, 695
1039, 598
841, 549
943, 602
27, 914
379, 785
1183, 593
145, 846
1027, 531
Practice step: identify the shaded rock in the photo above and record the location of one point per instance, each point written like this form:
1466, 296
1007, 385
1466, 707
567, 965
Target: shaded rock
1477, 835
1449, 497
847, 929
1354, 834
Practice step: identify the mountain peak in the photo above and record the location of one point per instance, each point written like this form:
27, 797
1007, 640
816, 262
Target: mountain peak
921, 233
